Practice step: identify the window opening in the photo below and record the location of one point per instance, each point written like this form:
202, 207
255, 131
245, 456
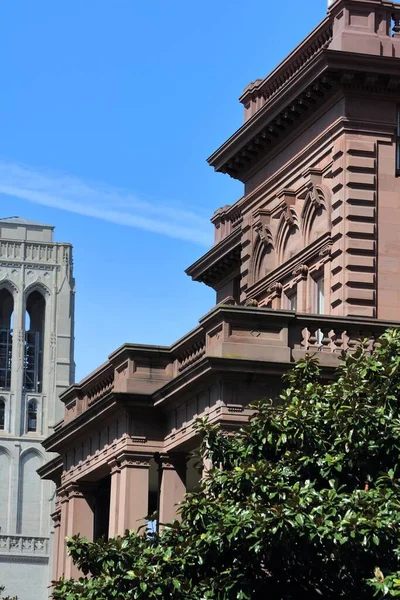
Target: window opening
2, 414
34, 338
293, 301
32, 416
6, 333
320, 303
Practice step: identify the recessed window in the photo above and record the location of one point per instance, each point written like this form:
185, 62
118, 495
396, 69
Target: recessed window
398, 144
32, 416
320, 295
293, 301
2, 414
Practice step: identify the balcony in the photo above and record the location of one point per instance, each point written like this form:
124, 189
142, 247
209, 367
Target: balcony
229, 338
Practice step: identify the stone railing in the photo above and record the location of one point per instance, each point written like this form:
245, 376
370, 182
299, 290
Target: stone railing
225, 220
325, 339
11, 250
24, 545
36, 252
263, 338
191, 352
332, 335
100, 389
260, 92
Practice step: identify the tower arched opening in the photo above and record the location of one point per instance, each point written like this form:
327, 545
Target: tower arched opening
6, 333
34, 341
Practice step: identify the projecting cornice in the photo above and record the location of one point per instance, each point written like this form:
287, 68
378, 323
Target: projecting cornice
327, 71
219, 261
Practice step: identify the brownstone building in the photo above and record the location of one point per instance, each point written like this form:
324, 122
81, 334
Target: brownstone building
308, 260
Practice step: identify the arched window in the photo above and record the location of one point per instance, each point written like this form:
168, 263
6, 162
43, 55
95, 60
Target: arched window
6, 324
34, 340
32, 416
2, 414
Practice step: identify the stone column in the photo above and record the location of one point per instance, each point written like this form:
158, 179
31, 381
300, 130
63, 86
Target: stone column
130, 492
55, 567
80, 521
172, 471
301, 275
115, 471
62, 548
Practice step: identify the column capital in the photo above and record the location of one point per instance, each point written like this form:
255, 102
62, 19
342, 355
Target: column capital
172, 460
56, 517
77, 489
134, 460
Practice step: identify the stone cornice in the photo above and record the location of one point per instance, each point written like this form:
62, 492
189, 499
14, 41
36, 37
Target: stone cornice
52, 469
218, 260
292, 64
60, 437
278, 117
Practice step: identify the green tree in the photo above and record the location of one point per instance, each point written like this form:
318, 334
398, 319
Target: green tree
2, 589
303, 502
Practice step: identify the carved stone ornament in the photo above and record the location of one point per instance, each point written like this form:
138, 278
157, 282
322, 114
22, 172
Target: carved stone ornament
276, 288
301, 271
314, 194
132, 460
288, 216
251, 302
264, 233
326, 250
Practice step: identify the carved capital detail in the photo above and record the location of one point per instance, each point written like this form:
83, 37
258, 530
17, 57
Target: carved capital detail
174, 461
134, 460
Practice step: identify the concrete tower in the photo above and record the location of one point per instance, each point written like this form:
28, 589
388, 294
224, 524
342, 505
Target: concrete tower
36, 365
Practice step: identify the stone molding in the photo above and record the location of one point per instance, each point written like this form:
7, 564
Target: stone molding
24, 545
135, 460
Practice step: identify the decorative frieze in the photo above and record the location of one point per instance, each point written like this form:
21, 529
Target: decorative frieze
21, 544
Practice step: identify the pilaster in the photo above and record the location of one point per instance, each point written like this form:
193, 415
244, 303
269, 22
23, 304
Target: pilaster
130, 491
172, 472
80, 521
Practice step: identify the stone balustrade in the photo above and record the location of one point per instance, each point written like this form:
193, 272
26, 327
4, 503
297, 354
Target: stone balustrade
261, 91
263, 336
36, 252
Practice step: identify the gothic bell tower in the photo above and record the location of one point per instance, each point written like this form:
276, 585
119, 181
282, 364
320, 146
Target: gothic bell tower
36, 365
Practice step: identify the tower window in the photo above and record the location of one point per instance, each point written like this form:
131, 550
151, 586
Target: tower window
32, 416
34, 339
2, 414
6, 324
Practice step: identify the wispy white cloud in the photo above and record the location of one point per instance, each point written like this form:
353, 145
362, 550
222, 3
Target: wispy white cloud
102, 202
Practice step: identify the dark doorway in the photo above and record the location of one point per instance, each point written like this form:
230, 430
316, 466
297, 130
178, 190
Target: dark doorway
101, 508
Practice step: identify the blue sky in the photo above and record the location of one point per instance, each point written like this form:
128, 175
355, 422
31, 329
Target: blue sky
108, 111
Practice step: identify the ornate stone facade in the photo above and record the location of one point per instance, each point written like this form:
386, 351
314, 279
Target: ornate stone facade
36, 365
308, 260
